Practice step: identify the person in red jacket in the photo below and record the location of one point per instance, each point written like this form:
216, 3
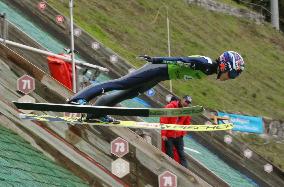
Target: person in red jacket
174, 139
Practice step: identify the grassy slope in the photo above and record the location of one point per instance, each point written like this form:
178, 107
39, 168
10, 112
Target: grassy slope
131, 28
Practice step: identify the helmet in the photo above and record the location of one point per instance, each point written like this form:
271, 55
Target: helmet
187, 99
232, 62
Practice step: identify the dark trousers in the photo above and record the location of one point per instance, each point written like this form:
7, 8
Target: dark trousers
170, 143
129, 85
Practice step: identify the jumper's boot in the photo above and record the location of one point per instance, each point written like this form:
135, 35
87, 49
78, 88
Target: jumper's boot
78, 102
104, 119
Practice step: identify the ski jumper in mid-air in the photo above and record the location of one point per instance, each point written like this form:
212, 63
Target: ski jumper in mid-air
228, 66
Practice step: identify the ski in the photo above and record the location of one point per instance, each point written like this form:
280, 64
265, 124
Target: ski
129, 124
105, 110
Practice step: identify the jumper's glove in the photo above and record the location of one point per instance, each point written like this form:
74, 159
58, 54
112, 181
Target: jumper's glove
146, 57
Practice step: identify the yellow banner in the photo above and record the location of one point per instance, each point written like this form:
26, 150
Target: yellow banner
130, 124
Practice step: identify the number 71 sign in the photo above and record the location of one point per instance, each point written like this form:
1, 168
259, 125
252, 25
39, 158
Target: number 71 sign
26, 84
167, 179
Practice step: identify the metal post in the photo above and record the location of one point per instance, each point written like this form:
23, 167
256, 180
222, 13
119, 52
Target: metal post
274, 13
169, 44
43, 52
5, 32
72, 47
4, 28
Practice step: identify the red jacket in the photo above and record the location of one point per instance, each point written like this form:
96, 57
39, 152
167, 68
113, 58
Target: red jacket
183, 120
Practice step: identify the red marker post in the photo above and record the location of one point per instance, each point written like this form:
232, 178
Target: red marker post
59, 19
41, 6
119, 147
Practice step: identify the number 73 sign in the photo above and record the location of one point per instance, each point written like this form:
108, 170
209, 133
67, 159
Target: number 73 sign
119, 147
